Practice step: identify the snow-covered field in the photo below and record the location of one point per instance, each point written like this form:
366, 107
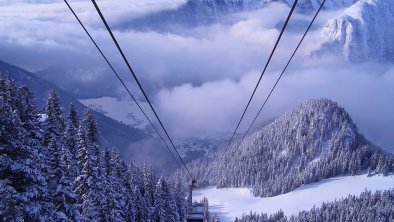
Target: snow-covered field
125, 111
232, 202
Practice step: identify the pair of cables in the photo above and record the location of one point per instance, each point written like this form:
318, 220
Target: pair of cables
280, 76
181, 163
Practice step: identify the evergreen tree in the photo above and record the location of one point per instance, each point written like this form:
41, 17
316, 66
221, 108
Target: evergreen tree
149, 184
170, 204
159, 212
142, 209
22, 192
85, 183
70, 143
54, 172
54, 123
64, 198
92, 133
116, 194
73, 116
179, 194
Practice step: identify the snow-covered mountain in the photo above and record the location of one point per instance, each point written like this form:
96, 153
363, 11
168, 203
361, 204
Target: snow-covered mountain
315, 140
364, 32
200, 12
242, 5
230, 5
315, 4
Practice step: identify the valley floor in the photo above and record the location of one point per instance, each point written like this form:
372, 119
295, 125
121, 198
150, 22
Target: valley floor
233, 202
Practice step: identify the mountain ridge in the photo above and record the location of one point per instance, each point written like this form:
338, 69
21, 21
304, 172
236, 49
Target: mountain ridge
202, 12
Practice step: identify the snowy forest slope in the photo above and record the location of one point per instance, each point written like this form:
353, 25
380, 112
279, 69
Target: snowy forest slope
315, 140
57, 169
113, 133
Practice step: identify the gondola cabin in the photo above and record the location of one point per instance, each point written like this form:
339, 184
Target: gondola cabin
198, 214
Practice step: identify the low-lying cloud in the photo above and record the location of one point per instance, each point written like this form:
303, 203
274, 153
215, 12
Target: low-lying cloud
366, 91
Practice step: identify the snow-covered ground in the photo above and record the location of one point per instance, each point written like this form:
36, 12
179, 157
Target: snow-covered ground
125, 111
233, 202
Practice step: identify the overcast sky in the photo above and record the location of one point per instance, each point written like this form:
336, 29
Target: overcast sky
199, 79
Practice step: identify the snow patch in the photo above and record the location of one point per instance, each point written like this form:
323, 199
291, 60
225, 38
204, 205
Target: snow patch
314, 160
124, 111
42, 117
283, 152
229, 203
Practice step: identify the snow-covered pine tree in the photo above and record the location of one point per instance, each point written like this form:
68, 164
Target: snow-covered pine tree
54, 123
73, 116
142, 210
63, 197
22, 192
170, 204
36, 168
92, 133
115, 192
125, 178
70, 143
94, 149
93, 140
159, 211
85, 183
178, 186
150, 183
137, 182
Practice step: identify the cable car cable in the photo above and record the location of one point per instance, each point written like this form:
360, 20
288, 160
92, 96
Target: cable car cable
283, 71
138, 82
265, 68
120, 79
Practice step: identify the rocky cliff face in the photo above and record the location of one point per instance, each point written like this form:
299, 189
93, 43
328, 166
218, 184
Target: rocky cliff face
364, 32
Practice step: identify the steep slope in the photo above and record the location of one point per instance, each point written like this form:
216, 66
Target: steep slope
364, 32
315, 140
113, 132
